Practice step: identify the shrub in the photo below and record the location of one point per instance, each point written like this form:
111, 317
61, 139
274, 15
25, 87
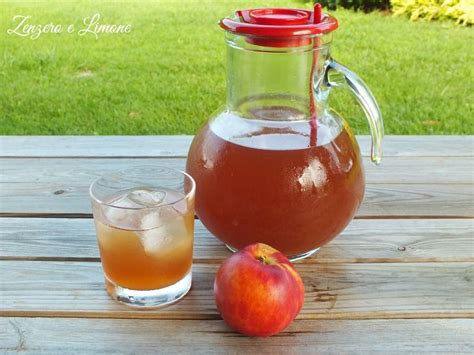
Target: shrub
364, 5
460, 10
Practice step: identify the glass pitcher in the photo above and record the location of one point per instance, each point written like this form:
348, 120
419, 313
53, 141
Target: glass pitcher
276, 164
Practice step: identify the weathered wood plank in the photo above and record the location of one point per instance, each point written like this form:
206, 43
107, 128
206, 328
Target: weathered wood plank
86, 336
177, 146
378, 240
333, 291
381, 200
80, 171
420, 187
433, 200
95, 146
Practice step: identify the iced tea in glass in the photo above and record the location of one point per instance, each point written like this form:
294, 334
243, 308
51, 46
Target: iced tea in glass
144, 219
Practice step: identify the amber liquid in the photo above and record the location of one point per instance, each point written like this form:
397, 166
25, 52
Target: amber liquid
271, 186
147, 259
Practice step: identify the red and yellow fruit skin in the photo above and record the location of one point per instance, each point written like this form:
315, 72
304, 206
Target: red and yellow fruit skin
257, 291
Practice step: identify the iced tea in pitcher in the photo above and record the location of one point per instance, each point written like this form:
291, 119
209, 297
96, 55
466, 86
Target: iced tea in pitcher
269, 185
276, 164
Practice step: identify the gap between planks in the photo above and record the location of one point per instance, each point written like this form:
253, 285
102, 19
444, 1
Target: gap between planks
434, 156
146, 314
89, 216
310, 260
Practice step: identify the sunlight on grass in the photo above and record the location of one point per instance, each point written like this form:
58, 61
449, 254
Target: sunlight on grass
168, 75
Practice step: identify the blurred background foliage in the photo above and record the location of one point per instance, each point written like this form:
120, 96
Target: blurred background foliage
461, 11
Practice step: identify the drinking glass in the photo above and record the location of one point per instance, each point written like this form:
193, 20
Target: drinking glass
144, 219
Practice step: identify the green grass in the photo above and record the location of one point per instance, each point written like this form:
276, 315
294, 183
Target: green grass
168, 75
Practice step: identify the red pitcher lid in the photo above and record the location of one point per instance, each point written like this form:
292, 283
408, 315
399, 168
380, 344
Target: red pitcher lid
277, 24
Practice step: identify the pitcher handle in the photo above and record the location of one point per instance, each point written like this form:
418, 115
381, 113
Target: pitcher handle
337, 74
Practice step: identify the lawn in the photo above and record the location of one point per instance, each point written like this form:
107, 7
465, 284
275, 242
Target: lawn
168, 74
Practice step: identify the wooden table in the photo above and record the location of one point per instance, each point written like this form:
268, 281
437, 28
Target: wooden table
399, 278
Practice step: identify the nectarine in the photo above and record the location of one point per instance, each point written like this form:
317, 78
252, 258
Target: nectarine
258, 291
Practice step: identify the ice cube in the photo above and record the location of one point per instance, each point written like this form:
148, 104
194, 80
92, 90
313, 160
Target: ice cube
120, 217
168, 236
156, 218
181, 206
150, 220
123, 212
146, 197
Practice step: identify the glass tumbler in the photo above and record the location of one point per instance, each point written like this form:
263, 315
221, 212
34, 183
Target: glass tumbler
144, 219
